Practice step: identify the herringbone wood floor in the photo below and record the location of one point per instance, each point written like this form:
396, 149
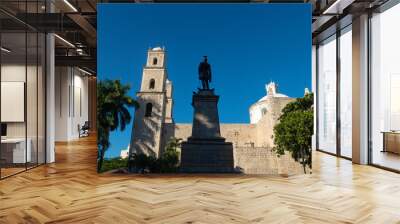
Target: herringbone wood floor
70, 191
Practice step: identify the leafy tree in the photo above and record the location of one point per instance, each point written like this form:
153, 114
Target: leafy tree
112, 113
302, 104
114, 163
168, 161
140, 162
294, 131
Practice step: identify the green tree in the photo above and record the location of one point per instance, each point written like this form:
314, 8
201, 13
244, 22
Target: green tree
294, 131
167, 162
301, 104
169, 159
140, 162
114, 163
113, 105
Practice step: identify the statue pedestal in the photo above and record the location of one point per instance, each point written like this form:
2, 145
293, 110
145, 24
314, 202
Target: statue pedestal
206, 151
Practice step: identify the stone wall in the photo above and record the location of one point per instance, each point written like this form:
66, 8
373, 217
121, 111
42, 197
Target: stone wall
182, 131
252, 142
262, 160
248, 159
238, 134
147, 138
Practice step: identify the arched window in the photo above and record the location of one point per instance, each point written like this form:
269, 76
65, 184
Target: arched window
149, 109
154, 61
264, 111
152, 84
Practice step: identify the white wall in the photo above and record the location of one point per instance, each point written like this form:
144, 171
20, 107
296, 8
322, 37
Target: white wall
14, 73
12, 101
17, 73
80, 109
256, 112
71, 102
61, 103
33, 125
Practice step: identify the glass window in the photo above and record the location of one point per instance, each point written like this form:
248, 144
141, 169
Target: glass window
346, 92
14, 150
327, 95
385, 88
22, 101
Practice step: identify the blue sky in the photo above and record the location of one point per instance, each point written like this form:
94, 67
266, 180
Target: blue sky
247, 45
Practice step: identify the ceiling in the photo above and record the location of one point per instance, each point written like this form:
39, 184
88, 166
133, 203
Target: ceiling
75, 21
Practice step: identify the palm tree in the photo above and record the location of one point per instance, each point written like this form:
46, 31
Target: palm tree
112, 112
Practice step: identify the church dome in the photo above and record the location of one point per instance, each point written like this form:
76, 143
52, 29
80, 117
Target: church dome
262, 106
274, 95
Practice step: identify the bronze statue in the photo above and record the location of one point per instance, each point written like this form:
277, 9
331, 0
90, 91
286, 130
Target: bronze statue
205, 73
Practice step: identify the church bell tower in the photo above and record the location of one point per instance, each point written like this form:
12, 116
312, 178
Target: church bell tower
152, 112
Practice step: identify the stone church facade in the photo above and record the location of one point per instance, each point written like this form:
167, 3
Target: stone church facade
155, 101
154, 124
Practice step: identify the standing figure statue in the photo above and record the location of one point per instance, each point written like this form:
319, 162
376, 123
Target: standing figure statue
205, 73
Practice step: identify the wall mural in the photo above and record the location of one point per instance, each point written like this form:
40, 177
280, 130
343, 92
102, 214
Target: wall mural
185, 91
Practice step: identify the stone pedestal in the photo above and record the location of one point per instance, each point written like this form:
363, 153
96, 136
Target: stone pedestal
206, 151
